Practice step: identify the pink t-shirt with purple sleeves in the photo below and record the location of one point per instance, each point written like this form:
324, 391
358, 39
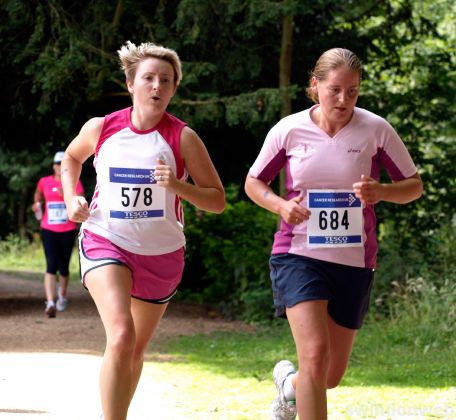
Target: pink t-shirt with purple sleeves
55, 217
314, 160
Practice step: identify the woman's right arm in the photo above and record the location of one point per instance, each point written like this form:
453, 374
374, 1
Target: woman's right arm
77, 152
37, 198
262, 194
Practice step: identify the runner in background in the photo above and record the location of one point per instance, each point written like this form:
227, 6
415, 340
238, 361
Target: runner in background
324, 254
132, 241
58, 236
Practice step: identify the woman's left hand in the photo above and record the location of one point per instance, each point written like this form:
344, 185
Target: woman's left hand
164, 175
368, 190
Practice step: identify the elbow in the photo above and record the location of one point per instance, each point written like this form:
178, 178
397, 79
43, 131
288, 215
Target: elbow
217, 204
419, 189
248, 187
415, 190
219, 210
220, 203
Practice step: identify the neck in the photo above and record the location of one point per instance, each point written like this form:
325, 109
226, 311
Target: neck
331, 128
144, 120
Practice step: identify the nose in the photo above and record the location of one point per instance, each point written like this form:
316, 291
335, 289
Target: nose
156, 84
342, 97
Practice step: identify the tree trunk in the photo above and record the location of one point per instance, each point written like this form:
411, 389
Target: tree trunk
285, 78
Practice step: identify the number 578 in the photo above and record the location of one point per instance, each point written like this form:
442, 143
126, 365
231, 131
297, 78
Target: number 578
131, 196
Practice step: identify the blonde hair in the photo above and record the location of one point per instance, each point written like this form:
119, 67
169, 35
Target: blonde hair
331, 60
131, 55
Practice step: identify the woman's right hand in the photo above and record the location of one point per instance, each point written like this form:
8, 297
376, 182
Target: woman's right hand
78, 209
292, 212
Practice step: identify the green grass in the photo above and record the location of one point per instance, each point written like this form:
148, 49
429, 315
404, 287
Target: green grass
228, 375
27, 259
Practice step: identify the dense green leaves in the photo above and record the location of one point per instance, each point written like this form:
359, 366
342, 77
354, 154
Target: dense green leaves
59, 68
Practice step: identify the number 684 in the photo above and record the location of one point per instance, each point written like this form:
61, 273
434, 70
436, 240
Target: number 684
333, 219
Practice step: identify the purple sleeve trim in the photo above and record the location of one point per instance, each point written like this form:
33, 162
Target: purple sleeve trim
271, 170
385, 160
370, 246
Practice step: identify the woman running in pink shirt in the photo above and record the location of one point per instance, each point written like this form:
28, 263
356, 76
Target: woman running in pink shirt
324, 253
58, 234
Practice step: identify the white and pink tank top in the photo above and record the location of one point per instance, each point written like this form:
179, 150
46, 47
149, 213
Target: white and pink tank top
315, 161
55, 217
128, 207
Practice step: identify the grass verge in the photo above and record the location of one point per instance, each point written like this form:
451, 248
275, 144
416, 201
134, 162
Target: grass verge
391, 376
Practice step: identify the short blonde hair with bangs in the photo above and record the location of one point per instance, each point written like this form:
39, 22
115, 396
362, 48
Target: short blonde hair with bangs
131, 55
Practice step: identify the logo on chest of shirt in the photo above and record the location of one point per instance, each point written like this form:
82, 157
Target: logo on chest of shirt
353, 150
304, 149
58, 190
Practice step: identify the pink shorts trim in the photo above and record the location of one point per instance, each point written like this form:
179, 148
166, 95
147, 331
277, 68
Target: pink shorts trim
154, 277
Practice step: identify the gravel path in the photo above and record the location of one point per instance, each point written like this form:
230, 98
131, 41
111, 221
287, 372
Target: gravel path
49, 367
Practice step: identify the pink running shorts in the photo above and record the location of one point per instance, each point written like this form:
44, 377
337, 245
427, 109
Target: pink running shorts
155, 277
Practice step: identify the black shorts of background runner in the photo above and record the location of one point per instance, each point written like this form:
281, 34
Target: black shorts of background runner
58, 247
347, 289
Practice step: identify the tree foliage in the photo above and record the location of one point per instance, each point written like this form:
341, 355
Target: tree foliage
59, 67
411, 81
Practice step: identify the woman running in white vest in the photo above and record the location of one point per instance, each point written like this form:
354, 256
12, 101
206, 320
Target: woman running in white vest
131, 241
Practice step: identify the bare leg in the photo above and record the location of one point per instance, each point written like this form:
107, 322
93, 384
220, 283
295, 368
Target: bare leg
341, 341
63, 283
49, 286
309, 325
110, 287
146, 317
336, 340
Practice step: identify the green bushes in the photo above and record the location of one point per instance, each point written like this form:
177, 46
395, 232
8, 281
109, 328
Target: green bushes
405, 257
427, 308
227, 266
227, 261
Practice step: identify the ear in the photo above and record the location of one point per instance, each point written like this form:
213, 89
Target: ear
313, 84
130, 86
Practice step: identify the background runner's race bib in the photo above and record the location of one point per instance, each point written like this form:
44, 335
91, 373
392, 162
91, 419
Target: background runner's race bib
56, 212
336, 220
135, 196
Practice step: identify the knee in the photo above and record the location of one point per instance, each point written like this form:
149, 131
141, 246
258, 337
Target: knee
121, 343
315, 362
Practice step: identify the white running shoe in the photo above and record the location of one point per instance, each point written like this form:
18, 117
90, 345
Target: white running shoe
281, 409
50, 310
62, 304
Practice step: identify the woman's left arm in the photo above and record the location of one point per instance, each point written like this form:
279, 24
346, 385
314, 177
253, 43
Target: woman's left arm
370, 191
207, 192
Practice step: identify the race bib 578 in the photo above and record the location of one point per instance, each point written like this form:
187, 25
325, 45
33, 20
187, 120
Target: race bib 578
135, 196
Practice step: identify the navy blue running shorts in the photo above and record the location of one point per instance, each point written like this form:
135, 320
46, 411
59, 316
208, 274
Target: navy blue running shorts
347, 289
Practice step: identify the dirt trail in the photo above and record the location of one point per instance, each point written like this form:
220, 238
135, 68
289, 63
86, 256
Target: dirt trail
49, 367
24, 328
